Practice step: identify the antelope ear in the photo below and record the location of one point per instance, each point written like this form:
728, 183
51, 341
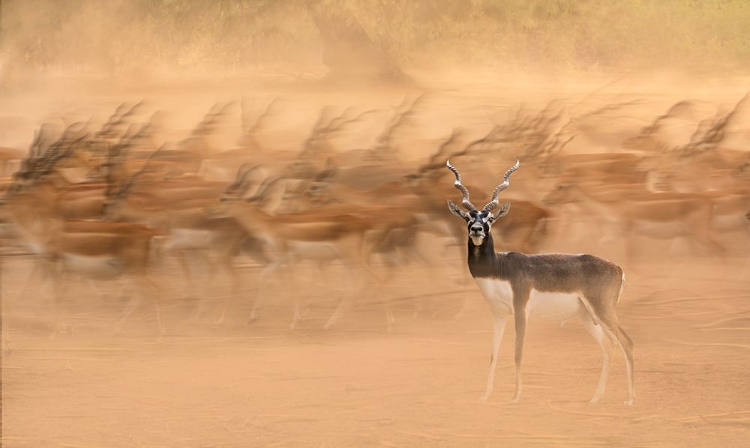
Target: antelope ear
457, 211
502, 212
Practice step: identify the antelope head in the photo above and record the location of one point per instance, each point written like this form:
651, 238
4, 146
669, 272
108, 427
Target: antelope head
561, 194
234, 199
480, 221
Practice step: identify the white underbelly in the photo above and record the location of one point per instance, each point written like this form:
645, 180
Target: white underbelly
557, 306
98, 268
187, 239
313, 250
729, 223
662, 230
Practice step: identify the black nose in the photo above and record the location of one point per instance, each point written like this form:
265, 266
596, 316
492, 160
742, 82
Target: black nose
476, 227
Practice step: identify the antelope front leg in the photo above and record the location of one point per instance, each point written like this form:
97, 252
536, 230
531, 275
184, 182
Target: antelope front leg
596, 331
227, 264
187, 273
286, 275
521, 319
346, 299
36, 279
263, 276
146, 289
131, 306
59, 295
498, 324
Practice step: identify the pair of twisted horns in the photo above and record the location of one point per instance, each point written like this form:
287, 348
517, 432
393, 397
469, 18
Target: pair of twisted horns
494, 202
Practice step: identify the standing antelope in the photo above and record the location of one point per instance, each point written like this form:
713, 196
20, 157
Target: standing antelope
556, 286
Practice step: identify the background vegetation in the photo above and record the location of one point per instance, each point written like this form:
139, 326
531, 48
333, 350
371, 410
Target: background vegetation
694, 35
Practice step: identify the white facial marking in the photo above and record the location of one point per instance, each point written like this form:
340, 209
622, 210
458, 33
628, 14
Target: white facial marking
477, 240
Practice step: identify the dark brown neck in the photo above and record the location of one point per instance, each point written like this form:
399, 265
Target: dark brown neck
483, 260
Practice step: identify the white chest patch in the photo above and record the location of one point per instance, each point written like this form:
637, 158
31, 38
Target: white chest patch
557, 306
498, 293
35, 247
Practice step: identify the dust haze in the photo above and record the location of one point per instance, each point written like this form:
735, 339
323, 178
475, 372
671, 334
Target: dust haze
225, 224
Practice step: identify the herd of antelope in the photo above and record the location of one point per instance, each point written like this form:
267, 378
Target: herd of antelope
108, 204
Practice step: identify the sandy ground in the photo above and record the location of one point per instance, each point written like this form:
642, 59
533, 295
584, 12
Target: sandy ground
358, 385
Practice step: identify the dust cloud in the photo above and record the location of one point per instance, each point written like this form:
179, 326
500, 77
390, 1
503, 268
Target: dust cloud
224, 223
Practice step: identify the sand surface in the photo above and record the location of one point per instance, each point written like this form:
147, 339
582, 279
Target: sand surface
357, 385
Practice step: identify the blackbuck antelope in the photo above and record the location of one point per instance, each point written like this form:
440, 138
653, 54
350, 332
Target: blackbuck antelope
323, 235
176, 208
632, 211
90, 249
556, 286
